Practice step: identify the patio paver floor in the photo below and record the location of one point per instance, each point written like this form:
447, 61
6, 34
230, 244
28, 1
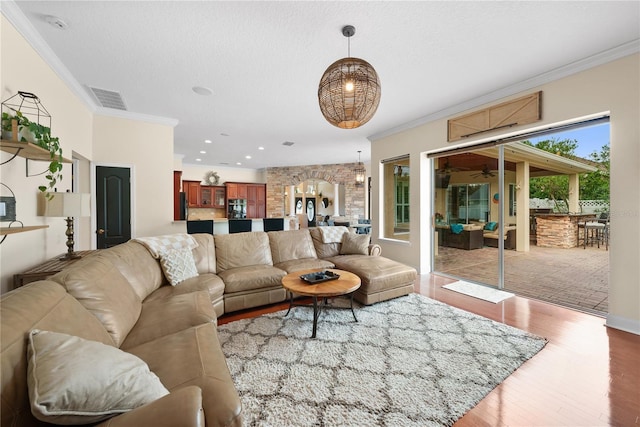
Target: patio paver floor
577, 278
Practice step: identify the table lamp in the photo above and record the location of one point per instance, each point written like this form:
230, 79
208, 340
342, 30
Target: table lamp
69, 205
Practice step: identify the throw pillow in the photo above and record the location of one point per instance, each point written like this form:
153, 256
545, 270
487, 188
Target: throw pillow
491, 226
76, 381
354, 244
456, 228
178, 265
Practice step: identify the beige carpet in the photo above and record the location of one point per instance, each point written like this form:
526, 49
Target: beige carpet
411, 361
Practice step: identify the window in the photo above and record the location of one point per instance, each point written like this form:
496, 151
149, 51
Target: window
396, 200
467, 202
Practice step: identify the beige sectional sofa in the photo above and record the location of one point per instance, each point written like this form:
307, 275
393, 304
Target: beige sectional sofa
120, 297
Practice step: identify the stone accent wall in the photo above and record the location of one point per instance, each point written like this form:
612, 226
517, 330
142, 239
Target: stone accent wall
556, 232
279, 179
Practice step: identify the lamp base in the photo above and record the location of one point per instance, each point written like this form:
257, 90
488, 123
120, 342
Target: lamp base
69, 256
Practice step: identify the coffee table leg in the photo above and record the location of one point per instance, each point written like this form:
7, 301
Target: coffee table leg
353, 312
316, 314
290, 303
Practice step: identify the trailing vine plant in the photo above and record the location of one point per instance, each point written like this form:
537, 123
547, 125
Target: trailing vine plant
42, 138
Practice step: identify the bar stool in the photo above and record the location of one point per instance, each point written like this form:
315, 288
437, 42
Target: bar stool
595, 232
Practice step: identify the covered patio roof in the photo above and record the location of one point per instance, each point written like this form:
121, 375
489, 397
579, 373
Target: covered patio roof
541, 163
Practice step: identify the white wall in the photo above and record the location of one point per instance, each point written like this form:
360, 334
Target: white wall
613, 87
147, 147
23, 69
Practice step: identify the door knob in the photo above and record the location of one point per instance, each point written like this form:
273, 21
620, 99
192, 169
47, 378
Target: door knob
100, 231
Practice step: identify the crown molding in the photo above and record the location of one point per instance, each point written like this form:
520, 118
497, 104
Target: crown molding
140, 117
14, 15
601, 58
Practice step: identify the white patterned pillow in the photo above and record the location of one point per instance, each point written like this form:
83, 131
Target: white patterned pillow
178, 265
76, 381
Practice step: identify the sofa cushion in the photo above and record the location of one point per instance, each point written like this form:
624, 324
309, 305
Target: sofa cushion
376, 273
242, 250
304, 264
194, 357
355, 244
291, 245
178, 265
76, 381
164, 316
209, 282
205, 253
42, 305
251, 277
136, 264
105, 292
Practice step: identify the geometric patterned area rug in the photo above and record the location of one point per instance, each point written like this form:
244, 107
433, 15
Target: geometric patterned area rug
410, 361
479, 291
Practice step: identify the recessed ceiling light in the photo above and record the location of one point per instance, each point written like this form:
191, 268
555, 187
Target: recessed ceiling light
207, 141
198, 160
56, 22
247, 157
260, 148
288, 143
203, 152
238, 163
200, 90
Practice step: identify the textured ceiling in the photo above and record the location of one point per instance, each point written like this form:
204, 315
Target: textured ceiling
263, 61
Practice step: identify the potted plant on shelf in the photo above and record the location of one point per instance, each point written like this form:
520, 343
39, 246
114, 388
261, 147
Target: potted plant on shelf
39, 135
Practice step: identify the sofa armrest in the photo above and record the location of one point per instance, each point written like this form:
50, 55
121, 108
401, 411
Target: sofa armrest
375, 249
180, 408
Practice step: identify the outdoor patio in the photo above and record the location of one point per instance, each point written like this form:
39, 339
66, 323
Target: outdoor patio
576, 278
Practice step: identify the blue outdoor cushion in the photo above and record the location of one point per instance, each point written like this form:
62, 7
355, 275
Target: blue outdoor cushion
456, 228
491, 226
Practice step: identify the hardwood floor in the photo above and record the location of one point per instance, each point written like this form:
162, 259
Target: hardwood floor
587, 374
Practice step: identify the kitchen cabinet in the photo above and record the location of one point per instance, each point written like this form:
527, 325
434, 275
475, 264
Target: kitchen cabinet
192, 190
253, 194
204, 196
212, 196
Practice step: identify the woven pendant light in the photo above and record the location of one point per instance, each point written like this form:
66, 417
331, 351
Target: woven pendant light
349, 90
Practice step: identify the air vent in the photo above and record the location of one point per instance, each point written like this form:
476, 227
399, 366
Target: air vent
108, 98
288, 143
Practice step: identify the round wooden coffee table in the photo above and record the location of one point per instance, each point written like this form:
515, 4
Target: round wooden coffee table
346, 284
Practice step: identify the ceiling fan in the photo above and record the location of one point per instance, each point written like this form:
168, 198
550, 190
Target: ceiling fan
485, 173
447, 169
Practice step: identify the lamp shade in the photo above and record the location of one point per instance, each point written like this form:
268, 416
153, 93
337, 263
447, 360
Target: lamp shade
64, 205
349, 93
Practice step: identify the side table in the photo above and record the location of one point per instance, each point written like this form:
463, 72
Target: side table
46, 269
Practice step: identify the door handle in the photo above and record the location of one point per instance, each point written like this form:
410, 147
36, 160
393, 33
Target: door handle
100, 231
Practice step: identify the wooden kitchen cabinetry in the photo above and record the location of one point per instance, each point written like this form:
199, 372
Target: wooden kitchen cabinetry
254, 194
212, 196
192, 190
204, 196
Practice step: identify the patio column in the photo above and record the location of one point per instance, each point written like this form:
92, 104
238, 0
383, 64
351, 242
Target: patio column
292, 200
574, 193
522, 207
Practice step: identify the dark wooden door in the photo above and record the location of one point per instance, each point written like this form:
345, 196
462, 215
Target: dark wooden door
113, 206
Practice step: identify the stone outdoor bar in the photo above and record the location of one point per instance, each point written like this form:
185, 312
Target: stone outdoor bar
557, 230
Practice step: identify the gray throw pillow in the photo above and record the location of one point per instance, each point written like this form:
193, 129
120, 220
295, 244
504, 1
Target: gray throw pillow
76, 381
354, 244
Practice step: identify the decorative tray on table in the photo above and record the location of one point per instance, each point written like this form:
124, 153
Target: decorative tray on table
319, 277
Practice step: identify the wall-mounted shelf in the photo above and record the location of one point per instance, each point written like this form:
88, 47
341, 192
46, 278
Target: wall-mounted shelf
27, 150
13, 230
